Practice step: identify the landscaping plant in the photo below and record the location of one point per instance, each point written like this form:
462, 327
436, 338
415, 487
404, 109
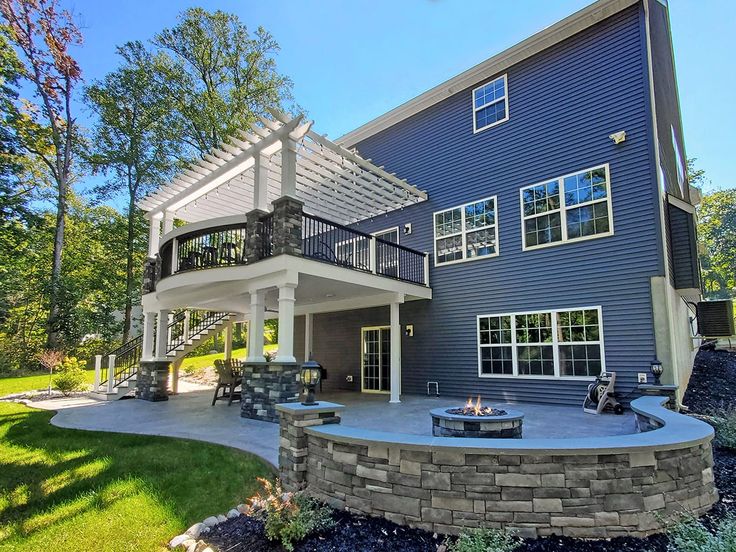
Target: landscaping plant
50, 359
288, 517
70, 375
724, 422
486, 540
690, 535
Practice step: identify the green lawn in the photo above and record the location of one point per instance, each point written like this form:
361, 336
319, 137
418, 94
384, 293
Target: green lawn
11, 384
200, 362
92, 491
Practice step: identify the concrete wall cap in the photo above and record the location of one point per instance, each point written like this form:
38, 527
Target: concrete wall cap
299, 408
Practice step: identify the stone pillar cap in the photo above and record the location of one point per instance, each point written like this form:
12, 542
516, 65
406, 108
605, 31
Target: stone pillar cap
299, 408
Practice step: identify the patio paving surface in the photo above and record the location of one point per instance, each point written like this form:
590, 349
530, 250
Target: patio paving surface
190, 416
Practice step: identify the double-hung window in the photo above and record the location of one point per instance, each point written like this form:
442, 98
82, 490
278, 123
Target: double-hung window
490, 104
569, 208
466, 232
555, 343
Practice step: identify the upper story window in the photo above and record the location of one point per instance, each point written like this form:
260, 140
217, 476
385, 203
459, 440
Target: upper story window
466, 232
555, 343
569, 208
490, 104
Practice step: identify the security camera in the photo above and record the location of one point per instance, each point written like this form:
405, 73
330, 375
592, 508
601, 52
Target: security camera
618, 137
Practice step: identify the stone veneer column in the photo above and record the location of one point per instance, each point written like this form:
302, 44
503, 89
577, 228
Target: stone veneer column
152, 381
265, 384
253, 236
287, 226
293, 418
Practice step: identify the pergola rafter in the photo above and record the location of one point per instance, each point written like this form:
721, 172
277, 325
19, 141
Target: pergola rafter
333, 182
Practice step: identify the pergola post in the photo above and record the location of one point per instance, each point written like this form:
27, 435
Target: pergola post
255, 326
168, 222
154, 234
149, 322
395, 353
288, 167
260, 180
308, 335
286, 323
162, 334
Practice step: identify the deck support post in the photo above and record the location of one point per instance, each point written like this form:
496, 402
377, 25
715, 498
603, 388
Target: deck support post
149, 321
395, 353
308, 335
175, 375
286, 323
255, 326
98, 373
228, 341
162, 334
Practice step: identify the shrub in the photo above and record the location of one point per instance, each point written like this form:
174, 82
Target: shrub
288, 517
690, 535
70, 375
724, 422
190, 369
486, 540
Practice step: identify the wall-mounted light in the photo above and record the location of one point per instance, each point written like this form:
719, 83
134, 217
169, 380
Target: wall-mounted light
618, 137
407, 228
409, 330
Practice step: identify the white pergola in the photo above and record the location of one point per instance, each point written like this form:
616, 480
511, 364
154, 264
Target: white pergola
277, 157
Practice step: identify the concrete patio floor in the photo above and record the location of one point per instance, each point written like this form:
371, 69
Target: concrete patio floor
189, 415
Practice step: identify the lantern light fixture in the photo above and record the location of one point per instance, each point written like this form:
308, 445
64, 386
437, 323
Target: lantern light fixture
310, 374
656, 369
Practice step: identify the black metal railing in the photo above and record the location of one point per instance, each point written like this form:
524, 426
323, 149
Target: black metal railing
209, 248
400, 262
127, 359
333, 243
178, 330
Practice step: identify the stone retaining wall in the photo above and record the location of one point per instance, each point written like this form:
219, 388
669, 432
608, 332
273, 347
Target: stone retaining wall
444, 488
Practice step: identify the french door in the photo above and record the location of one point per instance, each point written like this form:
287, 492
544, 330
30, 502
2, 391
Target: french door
376, 359
387, 257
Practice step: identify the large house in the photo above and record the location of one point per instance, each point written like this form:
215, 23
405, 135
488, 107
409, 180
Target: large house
512, 232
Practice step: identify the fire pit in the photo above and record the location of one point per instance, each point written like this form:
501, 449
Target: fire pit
475, 420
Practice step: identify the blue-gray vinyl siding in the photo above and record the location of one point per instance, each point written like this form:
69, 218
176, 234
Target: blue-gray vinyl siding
563, 103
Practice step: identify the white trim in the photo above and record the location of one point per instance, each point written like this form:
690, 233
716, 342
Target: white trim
363, 329
538, 42
564, 208
555, 344
386, 231
463, 232
504, 99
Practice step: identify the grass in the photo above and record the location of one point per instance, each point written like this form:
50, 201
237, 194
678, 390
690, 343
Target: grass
195, 364
109, 492
15, 384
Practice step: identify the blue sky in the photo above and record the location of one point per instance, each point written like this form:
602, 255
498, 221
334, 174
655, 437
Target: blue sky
352, 61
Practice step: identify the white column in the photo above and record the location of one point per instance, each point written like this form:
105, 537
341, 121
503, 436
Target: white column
229, 341
98, 372
149, 321
308, 336
175, 376
154, 234
395, 354
162, 334
111, 374
185, 331
260, 193
286, 323
168, 222
288, 167
255, 326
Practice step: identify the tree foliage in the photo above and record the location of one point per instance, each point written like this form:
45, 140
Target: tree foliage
717, 236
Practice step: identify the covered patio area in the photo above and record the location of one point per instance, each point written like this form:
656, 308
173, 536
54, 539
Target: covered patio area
189, 415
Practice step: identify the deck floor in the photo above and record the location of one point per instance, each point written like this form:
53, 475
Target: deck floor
190, 416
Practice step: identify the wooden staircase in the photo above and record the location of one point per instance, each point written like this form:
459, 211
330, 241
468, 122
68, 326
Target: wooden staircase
116, 372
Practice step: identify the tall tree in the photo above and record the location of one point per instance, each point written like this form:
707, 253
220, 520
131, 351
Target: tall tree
134, 144
220, 77
717, 236
43, 33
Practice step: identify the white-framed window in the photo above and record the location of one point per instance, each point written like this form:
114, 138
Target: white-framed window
564, 343
466, 232
490, 104
573, 207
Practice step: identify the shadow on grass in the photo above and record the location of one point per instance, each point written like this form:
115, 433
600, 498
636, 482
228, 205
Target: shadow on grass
51, 476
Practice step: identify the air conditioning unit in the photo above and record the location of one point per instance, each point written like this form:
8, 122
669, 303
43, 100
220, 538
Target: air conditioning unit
715, 318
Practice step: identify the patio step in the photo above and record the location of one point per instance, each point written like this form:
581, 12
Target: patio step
120, 391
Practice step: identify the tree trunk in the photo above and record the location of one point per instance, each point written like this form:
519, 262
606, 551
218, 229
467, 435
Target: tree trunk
129, 276
52, 326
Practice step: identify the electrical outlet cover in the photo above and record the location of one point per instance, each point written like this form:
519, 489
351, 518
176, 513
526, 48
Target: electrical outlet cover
642, 377
349, 378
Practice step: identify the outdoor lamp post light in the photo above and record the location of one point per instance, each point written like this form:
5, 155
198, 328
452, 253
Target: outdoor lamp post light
310, 374
656, 369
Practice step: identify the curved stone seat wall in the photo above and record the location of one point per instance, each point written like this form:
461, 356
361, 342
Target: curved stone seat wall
590, 488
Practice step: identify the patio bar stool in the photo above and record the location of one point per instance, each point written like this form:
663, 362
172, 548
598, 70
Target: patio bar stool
227, 380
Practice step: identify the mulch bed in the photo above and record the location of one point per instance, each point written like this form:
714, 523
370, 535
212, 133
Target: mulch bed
712, 386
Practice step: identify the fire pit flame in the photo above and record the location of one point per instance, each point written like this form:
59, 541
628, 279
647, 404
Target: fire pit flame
476, 409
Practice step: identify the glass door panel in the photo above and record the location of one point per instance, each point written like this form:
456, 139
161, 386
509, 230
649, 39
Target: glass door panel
376, 359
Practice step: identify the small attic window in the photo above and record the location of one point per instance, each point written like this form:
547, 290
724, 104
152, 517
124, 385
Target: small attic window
490, 104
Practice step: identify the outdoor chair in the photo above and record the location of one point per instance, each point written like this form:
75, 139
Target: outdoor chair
228, 253
227, 380
191, 261
209, 255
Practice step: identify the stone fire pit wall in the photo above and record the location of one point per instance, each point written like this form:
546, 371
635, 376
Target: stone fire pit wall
266, 384
588, 488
